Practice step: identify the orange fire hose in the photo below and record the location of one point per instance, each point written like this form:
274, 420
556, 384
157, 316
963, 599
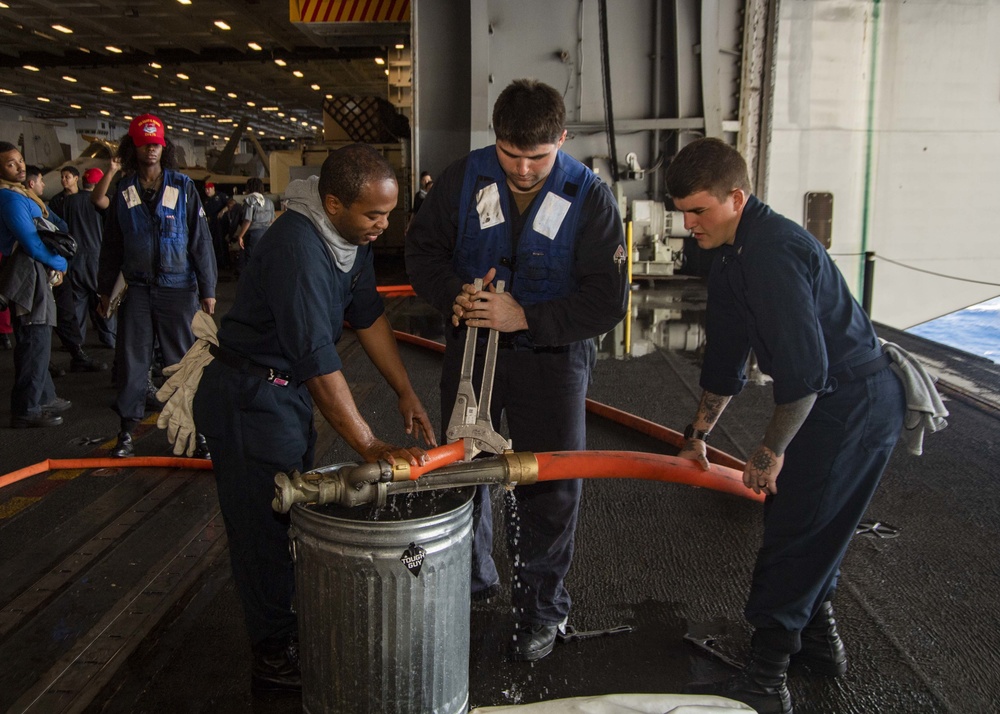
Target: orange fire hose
165, 462
636, 423
439, 456
557, 465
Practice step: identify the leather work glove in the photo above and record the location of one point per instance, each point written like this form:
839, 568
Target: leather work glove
177, 393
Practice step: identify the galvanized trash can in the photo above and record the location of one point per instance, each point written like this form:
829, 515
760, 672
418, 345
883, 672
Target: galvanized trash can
383, 604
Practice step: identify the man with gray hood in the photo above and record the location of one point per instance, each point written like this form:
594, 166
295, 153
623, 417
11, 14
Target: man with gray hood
277, 356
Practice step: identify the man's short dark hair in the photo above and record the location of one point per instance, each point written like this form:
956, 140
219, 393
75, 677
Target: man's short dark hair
31, 173
6, 146
346, 171
707, 165
528, 113
71, 169
255, 185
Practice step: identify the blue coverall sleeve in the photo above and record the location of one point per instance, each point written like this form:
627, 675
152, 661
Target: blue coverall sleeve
781, 297
16, 214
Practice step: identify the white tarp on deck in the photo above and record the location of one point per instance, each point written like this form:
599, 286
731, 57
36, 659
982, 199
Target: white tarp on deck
626, 704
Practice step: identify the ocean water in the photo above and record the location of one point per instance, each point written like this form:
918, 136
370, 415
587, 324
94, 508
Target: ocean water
975, 329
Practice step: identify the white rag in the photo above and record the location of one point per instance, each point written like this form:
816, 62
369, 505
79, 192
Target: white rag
925, 412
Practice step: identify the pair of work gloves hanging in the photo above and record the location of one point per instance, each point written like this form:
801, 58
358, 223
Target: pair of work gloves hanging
177, 393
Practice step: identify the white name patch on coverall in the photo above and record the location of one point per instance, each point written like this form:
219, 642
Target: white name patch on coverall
550, 215
131, 197
170, 195
488, 207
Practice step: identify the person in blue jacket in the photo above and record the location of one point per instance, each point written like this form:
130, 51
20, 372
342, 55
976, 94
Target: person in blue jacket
157, 237
276, 357
524, 212
28, 290
838, 411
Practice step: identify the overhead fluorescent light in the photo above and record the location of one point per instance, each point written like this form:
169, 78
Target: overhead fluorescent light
112, 48
167, 104
400, 47
209, 88
68, 78
187, 110
63, 29
105, 112
314, 87
31, 68
231, 95
298, 74
221, 25
280, 62
156, 65
109, 90
251, 104
254, 46
75, 106
44, 99
139, 97
379, 61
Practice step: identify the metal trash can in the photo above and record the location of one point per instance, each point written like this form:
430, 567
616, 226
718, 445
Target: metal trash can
382, 596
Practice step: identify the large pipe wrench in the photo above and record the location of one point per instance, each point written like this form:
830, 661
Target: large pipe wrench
470, 419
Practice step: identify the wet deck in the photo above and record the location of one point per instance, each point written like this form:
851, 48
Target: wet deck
116, 593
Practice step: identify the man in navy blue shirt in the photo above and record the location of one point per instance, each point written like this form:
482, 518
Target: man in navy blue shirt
276, 357
838, 411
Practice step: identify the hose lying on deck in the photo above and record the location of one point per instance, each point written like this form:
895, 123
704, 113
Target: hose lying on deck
168, 462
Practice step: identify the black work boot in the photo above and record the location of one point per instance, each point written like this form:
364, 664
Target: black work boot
276, 667
201, 448
124, 447
82, 362
761, 684
822, 649
532, 641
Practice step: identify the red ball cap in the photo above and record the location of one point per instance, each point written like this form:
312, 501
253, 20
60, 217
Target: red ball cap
147, 129
92, 175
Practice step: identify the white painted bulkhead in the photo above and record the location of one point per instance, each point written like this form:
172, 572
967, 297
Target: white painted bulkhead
893, 106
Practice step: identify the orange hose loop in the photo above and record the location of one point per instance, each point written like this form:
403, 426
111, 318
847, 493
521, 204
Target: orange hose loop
165, 462
659, 432
438, 457
557, 465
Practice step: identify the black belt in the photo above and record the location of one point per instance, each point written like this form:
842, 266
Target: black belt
519, 344
242, 364
863, 370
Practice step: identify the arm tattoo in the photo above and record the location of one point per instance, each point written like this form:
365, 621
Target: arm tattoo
785, 423
761, 462
710, 409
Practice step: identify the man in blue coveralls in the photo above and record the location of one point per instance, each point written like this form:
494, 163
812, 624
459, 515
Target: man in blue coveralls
838, 414
524, 212
277, 356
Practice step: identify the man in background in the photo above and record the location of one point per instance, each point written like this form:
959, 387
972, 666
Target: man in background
69, 176
33, 400
86, 225
68, 328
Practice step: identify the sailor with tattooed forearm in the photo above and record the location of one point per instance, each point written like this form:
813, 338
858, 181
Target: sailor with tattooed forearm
838, 411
